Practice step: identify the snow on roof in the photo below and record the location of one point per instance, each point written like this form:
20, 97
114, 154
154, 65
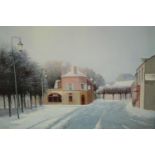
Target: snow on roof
100, 88
71, 74
123, 83
117, 84
74, 73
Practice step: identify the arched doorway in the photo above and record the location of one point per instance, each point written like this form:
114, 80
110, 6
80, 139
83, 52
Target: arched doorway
54, 97
82, 99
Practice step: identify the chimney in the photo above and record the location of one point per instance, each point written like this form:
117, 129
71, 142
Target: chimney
75, 69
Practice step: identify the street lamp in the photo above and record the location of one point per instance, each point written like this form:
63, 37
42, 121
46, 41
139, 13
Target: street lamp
43, 75
20, 47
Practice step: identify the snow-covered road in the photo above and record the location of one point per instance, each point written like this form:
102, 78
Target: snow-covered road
109, 115
100, 114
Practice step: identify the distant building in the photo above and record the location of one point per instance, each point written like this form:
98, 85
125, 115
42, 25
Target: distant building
73, 88
119, 90
143, 89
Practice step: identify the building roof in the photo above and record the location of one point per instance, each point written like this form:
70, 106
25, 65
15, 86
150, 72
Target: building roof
144, 61
71, 74
123, 83
117, 85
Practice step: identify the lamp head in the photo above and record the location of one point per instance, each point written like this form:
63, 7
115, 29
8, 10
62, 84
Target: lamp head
20, 46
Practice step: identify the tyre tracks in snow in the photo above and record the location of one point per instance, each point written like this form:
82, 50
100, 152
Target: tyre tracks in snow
50, 122
104, 113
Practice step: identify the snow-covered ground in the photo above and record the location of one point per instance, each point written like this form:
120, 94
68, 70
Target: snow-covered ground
100, 114
42, 117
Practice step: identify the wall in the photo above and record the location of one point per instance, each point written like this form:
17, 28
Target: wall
89, 96
149, 96
73, 80
75, 96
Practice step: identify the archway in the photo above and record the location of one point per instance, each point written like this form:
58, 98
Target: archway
54, 97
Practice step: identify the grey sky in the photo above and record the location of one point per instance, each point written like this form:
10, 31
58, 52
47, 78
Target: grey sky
107, 50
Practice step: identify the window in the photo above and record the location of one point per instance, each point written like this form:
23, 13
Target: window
82, 86
85, 86
69, 86
89, 87
70, 98
66, 87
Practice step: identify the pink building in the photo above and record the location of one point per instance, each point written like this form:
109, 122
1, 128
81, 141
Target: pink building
73, 88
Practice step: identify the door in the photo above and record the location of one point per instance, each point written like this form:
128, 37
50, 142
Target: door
82, 99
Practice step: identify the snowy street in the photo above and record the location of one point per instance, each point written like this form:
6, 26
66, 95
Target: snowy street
108, 115
100, 115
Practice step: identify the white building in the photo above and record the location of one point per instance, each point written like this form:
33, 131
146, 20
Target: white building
144, 87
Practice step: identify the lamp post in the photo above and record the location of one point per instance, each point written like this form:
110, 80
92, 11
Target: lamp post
43, 75
20, 46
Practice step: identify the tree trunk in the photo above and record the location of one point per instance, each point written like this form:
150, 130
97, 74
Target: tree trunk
14, 98
24, 101
35, 98
31, 100
40, 100
113, 96
9, 104
120, 96
21, 98
4, 102
103, 95
18, 102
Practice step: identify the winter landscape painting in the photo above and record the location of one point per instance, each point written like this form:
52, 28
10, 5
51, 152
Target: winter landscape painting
72, 77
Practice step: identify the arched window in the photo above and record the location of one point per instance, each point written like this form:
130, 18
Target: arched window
54, 97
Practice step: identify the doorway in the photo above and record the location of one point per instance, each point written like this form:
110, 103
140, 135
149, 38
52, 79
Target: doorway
82, 99
54, 97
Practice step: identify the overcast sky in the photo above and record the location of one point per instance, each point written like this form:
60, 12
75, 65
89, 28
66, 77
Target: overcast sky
109, 51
